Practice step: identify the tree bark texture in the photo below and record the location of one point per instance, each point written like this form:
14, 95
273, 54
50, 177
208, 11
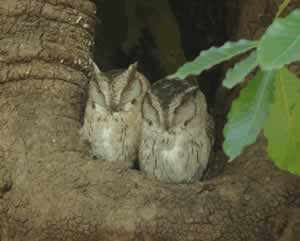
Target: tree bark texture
51, 190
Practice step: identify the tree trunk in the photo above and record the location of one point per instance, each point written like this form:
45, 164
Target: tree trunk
51, 190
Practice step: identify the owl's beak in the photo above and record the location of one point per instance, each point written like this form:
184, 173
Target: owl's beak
114, 108
167, 126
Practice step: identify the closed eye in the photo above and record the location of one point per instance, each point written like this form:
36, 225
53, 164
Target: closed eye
150, 122
184, 113
131, 92
149, 112
186, 122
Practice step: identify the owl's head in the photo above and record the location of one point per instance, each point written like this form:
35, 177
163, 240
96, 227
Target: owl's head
174, 105
118, 90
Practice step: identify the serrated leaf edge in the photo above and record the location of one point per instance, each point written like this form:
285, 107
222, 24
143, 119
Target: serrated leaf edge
252, 44
227, 83
272, 65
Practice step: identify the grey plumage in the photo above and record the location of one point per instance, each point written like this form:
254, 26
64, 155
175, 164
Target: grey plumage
177, 132
112, 120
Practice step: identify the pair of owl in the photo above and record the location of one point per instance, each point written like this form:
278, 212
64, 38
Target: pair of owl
166, 127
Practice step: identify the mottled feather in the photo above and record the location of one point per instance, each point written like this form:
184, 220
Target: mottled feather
112, 121
177, 147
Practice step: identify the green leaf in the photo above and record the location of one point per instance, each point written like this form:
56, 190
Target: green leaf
248, 113
240, 71
282, 6
283, 125
213, 56
280, 45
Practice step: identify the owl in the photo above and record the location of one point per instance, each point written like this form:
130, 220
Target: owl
112, 119
177, 132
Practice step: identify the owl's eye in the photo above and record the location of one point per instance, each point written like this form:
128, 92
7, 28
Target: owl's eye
149, 112
96, 95
131, 92
184, 113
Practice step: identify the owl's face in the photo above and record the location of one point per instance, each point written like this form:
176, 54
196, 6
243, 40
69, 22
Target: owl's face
118, 91
173, 106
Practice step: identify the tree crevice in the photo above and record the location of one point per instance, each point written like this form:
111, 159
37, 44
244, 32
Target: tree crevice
52, 189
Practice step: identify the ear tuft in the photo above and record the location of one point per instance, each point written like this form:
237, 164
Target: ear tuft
96, 68
191, 89
97, 72
132, 70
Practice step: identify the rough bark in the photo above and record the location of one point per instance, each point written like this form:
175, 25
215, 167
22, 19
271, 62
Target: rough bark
51, 190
